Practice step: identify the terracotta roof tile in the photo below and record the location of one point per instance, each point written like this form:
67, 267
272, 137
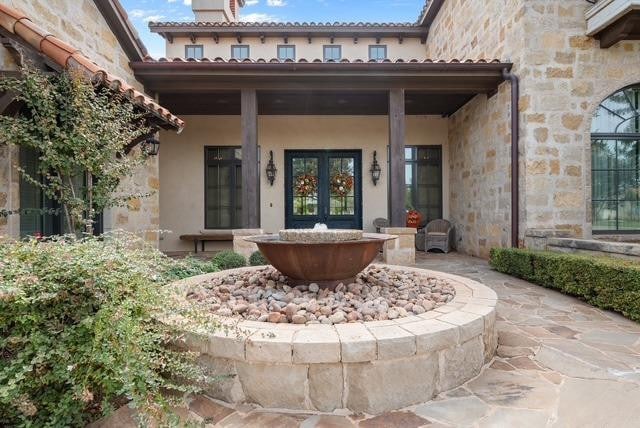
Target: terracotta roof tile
242, 24
67, 56
317, 60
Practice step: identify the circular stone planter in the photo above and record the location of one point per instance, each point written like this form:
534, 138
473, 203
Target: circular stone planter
371, 367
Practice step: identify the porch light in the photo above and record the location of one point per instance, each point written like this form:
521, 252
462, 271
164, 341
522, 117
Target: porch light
375, 169
150, 146
271, 169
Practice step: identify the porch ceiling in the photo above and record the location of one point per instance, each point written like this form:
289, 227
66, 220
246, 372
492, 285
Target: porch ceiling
314, 103
454, 77
318, 87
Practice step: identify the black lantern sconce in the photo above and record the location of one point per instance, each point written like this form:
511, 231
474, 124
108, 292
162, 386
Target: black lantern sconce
150, 147
375, 169
271, 169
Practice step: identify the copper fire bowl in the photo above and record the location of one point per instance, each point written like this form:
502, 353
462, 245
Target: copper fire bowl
325, 263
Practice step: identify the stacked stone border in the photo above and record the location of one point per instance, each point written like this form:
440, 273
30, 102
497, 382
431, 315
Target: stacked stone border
371, 367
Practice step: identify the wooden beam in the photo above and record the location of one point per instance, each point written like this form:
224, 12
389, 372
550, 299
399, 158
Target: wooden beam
250, 167
397, 186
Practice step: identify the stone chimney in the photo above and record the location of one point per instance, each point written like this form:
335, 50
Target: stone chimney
216, 10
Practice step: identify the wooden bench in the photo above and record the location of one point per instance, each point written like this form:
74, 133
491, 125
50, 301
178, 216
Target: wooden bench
214, 235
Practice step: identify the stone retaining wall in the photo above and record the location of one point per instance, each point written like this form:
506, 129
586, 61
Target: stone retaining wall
363, 367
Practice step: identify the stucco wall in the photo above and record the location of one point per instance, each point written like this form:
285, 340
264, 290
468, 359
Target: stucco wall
182, 160
80, 24
408, 49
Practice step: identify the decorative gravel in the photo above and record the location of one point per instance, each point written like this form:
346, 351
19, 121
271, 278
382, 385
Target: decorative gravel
379, 293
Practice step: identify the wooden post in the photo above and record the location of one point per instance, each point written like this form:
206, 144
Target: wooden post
250, 169
397, 185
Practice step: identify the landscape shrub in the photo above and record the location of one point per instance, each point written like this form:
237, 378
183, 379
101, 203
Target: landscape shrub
604, 282
188, 267
79, 334
257, 259
229, 260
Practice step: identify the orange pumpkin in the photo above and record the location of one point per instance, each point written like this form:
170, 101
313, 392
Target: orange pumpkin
413, 218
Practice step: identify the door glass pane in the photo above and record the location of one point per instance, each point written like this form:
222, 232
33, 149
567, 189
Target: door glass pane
627, 154
604, 154
604, 215
604, 185
629, 215
305, 186
342, 186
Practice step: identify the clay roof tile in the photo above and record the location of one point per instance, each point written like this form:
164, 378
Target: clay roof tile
67, 56
9, 17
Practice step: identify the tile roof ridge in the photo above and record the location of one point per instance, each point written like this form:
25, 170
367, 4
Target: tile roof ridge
66, 56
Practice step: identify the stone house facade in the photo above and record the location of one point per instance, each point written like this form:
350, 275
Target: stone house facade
430, 99
102, 33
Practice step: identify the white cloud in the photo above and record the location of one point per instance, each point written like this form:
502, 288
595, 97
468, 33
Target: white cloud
153, 18
187, 2
137, 13
251, 2
171, 1
276, 3
259, 17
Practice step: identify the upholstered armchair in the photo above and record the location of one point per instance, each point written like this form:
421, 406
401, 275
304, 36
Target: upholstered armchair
439, 235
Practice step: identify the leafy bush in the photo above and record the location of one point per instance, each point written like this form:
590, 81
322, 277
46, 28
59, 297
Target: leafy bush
188, 267
604, 282
229, 260
79, 334
257, 259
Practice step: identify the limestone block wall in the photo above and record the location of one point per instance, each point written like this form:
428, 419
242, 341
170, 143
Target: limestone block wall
81, 25
564, 76
567, 76
479, 133
480, 171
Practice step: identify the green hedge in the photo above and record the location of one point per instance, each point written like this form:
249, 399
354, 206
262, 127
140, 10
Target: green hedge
229, 260
603, 282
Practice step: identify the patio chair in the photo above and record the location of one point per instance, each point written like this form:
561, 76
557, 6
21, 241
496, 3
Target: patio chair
439, 235
379, 223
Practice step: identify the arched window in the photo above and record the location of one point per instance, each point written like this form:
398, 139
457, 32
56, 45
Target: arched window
615, 163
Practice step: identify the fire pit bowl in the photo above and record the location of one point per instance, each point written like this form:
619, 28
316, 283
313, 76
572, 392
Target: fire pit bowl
326, 263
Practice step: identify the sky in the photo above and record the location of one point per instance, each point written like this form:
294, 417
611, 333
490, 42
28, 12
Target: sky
141, 12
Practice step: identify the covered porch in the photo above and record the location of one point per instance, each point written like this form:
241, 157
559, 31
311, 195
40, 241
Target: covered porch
324, 121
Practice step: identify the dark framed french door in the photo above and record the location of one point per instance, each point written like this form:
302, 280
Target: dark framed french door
323, 186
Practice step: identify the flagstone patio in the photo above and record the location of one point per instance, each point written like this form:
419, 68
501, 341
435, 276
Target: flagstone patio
560, 363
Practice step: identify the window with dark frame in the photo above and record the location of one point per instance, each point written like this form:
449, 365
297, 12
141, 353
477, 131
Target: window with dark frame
240, 52
332, 52
423, 175
223, 187
194, 51
378, 52
39, 215
286, 52
615, 163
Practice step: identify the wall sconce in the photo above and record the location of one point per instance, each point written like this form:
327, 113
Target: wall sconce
150, 147
375, 169
271, 169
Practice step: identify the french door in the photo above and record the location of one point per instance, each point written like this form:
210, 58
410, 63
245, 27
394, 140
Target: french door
323, 187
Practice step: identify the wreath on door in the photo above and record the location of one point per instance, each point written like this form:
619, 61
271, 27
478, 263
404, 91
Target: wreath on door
342, 184
306, 185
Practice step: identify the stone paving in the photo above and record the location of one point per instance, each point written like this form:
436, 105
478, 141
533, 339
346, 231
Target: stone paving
560, 363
